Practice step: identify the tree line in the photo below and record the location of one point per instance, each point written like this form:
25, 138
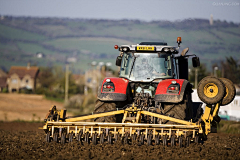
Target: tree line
230, 69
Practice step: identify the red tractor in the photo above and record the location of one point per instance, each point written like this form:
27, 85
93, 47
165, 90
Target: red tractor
154, 78
149, 102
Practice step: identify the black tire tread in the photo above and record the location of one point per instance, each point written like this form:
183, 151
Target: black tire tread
181, 110
104, 107
231, 91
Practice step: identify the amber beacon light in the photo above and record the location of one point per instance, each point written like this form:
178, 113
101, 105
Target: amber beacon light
179, 40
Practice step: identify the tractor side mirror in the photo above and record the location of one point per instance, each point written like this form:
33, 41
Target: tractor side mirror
118, 61
195, 62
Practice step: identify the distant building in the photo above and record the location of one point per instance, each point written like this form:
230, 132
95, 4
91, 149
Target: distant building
211, 20
71, 60
40, 55
22, 78
94, 76
78, 79
3, 80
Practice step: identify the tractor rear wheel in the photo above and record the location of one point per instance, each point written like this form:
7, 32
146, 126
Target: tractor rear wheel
211, 90
105, 107
182, 110
230, 91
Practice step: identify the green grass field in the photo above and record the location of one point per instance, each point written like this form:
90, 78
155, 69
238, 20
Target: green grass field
93, 40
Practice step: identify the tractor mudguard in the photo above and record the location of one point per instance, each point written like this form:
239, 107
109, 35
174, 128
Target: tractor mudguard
171, 90
113, 89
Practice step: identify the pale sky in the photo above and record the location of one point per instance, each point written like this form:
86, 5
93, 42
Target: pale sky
146, 10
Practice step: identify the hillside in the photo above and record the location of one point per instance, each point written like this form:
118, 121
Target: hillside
85, 40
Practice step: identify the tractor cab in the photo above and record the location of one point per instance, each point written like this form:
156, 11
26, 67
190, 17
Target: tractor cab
147, 63
152, 61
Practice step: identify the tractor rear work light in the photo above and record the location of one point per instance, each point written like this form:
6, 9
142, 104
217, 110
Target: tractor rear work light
124, 49
174, 82
166, 49
173, 88
170, 50
108, 86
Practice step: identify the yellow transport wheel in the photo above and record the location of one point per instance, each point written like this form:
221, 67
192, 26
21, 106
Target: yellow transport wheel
230, 91
211, 90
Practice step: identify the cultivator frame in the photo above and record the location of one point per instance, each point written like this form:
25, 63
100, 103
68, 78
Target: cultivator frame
131, 130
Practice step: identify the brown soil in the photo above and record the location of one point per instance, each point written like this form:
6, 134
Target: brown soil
25, 107
21, 140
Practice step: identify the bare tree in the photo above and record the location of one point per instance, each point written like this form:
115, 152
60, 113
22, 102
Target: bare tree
231, 70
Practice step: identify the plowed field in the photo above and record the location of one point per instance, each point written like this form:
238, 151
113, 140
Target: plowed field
21, 140
27, 107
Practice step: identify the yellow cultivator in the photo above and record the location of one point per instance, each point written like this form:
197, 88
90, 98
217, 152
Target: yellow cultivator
131, 130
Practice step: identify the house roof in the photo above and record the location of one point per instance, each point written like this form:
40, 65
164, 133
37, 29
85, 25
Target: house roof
76, 77
22, 71
2, 73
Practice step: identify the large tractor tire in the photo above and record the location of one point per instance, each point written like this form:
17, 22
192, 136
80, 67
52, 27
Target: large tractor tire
211, 90
182, 110
197, 111
230, 91
104, 107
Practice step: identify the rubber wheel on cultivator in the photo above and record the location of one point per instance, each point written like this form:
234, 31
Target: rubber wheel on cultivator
118, 138
196, 139
70, 137
157, 139
109, 137
188, 141
211, 90
180, 141
63, 138
79, 136
48, 138
230, 91
86, 138
149, 139
94, 138
141, 139
125, 139
55, 137
101, 138
104, 107
164, 140
134, 138
172, 141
